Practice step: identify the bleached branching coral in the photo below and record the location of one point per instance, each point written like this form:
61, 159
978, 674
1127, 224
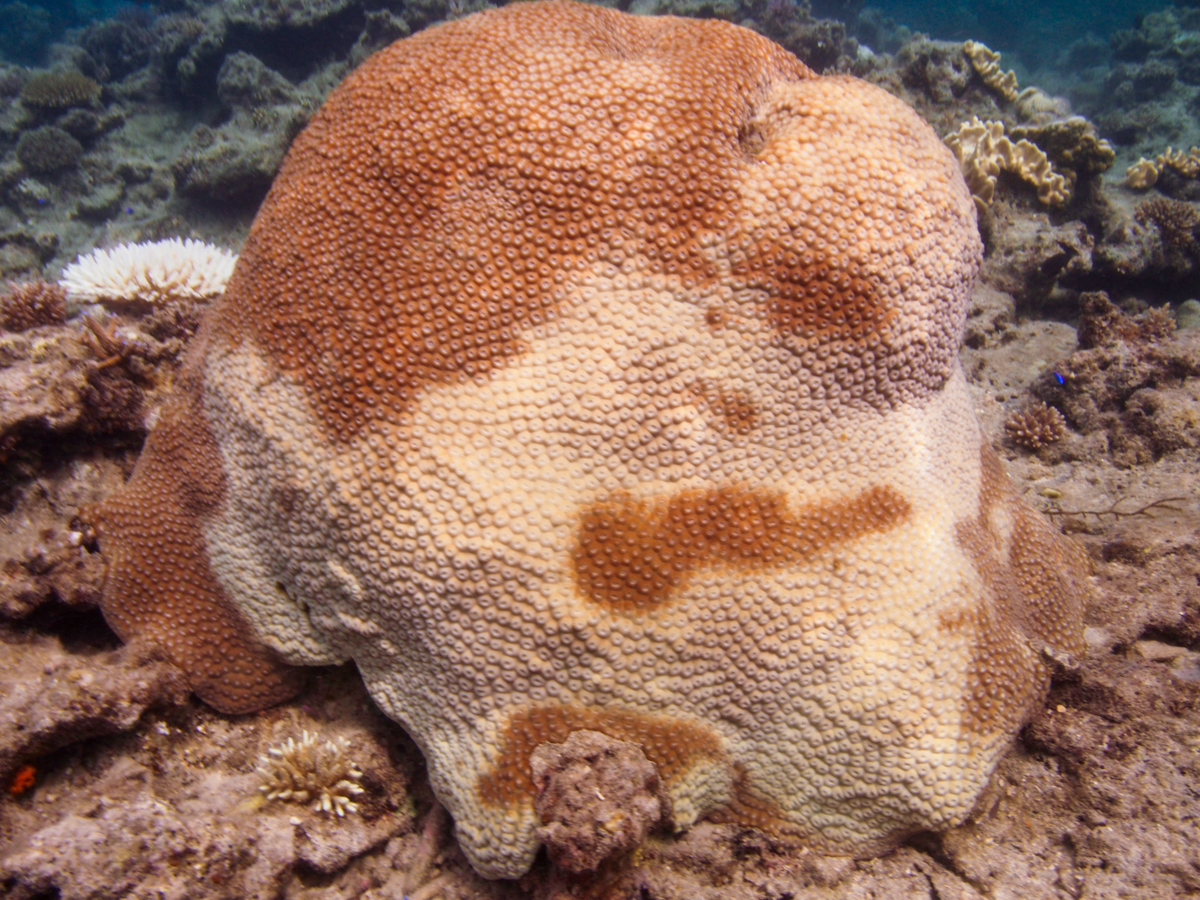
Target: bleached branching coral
984, 151
311, 771
144, 275
987, 63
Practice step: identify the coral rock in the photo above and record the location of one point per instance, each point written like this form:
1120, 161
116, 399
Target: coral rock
48, 149
594, 372
597, 798
32, 304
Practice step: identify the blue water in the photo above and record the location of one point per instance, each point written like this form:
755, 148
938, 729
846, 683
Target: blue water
1036, 32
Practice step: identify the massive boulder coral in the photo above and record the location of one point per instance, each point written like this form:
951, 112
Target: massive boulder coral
592, 372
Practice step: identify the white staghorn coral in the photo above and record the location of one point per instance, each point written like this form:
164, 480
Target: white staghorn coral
306, 770
150, 274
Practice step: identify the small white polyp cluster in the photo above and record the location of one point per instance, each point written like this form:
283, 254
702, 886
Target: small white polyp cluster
150, 273
308, 771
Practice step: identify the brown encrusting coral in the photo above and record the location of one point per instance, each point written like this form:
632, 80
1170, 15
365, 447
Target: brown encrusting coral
59, 90
31, 304
1036, 426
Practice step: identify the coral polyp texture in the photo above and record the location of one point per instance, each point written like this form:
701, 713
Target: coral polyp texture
594, 372
311, 771
141, 276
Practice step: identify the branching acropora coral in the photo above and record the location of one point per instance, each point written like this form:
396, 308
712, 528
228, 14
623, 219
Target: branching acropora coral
309, 771
150, 274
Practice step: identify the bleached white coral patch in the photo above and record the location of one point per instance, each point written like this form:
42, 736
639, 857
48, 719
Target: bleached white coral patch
310, 771
150, 273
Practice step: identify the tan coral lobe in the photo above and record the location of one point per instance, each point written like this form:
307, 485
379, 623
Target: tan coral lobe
593, 372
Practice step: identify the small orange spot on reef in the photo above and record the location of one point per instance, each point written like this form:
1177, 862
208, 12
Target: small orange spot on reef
22, 780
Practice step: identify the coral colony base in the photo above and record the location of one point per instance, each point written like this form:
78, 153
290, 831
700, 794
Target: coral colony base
591, 372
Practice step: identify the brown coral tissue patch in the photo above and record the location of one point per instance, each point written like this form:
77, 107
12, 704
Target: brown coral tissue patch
632, 555
590, 371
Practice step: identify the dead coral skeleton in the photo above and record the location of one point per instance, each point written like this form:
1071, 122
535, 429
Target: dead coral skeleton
31, 304
107, 343
311, 771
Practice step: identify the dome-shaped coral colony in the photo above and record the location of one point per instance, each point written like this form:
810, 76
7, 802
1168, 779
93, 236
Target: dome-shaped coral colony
591, 371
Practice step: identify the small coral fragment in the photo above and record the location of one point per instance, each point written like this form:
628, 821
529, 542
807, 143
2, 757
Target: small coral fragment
986, 62
146, 275
307, 771
1036, 426
1175, 220
1142, 175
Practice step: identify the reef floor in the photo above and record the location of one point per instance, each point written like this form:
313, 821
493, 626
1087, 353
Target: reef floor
120, 784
